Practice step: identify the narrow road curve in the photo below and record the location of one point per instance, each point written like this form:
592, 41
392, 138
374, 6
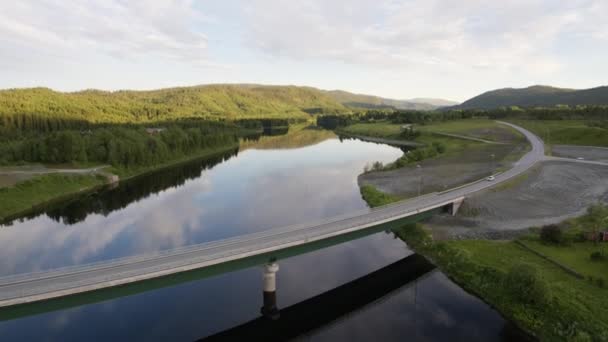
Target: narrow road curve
48, 171
32, 287
466, 137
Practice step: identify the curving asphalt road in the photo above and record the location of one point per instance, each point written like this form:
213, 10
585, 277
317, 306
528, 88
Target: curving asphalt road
579, 161
25, 288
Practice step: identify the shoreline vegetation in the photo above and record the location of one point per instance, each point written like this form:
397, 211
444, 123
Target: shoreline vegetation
40, 191
546, 300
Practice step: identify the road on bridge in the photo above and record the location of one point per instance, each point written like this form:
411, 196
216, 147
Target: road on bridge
32, 287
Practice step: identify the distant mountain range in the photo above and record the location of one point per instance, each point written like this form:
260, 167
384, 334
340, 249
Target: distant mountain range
536, 96
369, 101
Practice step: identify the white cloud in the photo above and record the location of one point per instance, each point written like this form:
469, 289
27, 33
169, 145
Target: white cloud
393, 48
123, 29
506, 36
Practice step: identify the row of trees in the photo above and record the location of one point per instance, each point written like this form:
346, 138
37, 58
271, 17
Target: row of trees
549, 113
117, 145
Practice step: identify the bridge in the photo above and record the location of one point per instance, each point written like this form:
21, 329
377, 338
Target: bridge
256, 248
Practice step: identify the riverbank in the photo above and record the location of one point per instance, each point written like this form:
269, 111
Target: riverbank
392, 142
32, 194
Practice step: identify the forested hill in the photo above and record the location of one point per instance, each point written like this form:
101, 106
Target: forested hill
209, 102
536, 96
375, 102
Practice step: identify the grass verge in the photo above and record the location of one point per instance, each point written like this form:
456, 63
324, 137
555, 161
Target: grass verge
566, 132
375, 197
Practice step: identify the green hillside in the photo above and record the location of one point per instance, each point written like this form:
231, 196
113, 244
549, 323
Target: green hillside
536, 96
210, 102
375, 102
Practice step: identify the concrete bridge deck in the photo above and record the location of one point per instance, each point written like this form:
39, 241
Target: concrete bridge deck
33, 287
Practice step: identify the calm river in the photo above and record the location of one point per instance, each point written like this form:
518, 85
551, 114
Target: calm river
272, 182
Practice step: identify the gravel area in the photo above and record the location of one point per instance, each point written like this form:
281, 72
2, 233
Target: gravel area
444, 172
550, 193
586, 152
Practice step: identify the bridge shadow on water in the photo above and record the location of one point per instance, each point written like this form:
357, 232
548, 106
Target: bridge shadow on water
336, 305
321, 310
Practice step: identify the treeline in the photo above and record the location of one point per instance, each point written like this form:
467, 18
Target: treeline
260, 124
394, 116
553, 113
121, 146
596, 115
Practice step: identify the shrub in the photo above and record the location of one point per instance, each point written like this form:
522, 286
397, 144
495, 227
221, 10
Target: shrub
551, 234
377, 166
439, 147
401, 162
524, 283
596, 256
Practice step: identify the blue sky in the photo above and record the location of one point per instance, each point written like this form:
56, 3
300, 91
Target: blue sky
398, 49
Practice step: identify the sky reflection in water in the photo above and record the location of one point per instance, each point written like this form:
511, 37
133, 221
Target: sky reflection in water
256, 190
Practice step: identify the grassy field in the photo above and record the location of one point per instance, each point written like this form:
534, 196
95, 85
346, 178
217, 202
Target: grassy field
576, 256
562, 308
30, 193
391, 131
475, 128
377, 129
566, 132
455, 148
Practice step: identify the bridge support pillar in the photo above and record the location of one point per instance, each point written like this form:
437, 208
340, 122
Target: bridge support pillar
270, 309
456, 205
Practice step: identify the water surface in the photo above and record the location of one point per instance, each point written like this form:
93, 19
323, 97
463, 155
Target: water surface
271, 182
